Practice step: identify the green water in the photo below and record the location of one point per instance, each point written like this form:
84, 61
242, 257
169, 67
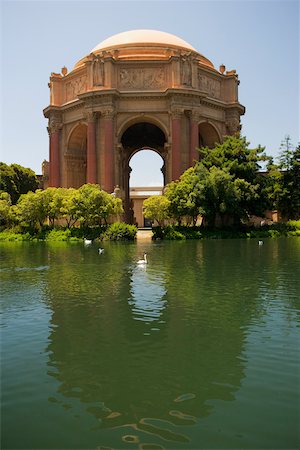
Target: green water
197, 350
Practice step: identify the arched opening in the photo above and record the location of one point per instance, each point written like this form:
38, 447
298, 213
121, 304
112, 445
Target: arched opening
75, 157
139, 142
208, 135
146, 178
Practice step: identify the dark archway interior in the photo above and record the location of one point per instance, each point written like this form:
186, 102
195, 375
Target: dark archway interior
143, 135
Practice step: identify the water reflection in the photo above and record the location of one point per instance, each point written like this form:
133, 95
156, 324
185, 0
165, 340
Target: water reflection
125, 347
147, 291
141, 357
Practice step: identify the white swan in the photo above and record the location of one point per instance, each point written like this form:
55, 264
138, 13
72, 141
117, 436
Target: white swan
87, 241
260, 242
101, 250
143, 261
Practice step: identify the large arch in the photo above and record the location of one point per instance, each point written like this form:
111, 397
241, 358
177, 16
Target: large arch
139, 135
208, 135
75, 157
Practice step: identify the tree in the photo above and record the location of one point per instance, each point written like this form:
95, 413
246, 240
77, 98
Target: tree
289, 202
94, 205
7, 181
5, 204
156, 208
32, 208
186, 194
25, 179
234, 156
286, 153
17, 180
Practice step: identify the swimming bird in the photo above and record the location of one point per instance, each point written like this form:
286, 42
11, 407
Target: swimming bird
143, 261
101, 250
260, 242
87, 241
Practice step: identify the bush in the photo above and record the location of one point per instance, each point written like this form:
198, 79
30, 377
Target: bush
58, 235
119, 232
8, 235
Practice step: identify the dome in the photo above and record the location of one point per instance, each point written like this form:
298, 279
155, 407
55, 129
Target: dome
138, 37
144, 45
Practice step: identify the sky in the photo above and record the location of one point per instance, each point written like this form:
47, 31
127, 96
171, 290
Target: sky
260, 39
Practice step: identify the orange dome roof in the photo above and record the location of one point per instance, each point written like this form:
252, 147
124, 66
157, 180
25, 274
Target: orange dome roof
138, 37
144, 45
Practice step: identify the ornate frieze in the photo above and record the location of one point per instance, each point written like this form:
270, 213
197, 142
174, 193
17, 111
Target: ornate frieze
75, 87
142, 78
209, 85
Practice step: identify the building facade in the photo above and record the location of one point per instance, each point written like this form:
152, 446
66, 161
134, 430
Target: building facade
142, 89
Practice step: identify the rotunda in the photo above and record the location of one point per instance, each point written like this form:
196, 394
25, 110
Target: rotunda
141, 89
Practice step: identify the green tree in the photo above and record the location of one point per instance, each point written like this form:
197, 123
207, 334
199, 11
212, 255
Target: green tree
289, 203
25, 179
186, 194
95, 205
32, 208
7, 181
235, 157
5, 204
156, 208
17, 180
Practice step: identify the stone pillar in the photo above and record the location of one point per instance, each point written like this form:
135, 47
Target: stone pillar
176, 144
109, 170
91, 172
54, 157
194, 138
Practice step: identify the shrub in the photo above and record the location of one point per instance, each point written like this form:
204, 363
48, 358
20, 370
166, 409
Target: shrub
119, 232
59, 235
8, 235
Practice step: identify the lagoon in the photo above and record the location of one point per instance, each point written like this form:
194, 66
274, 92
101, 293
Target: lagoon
197, 350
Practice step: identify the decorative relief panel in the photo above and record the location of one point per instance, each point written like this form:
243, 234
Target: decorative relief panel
147, 78
75, 87
210, 85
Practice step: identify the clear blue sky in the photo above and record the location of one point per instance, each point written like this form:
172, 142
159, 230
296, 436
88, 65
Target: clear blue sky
260, 39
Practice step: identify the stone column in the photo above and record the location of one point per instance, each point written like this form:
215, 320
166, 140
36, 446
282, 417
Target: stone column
176, 144
91, 172
194, 138
109, 170
54, 159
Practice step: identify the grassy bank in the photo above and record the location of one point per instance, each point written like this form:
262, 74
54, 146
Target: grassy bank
114, 232
173, 232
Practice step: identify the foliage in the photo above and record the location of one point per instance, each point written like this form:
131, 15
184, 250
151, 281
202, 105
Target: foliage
289, 201
61, 235
156, 208
32, 208
17, 180
186, 194
94, 205
5, 204
119, 232
235, 157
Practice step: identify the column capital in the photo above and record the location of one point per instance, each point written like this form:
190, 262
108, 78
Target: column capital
91, 116
108, 113
176, 113
54, 122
